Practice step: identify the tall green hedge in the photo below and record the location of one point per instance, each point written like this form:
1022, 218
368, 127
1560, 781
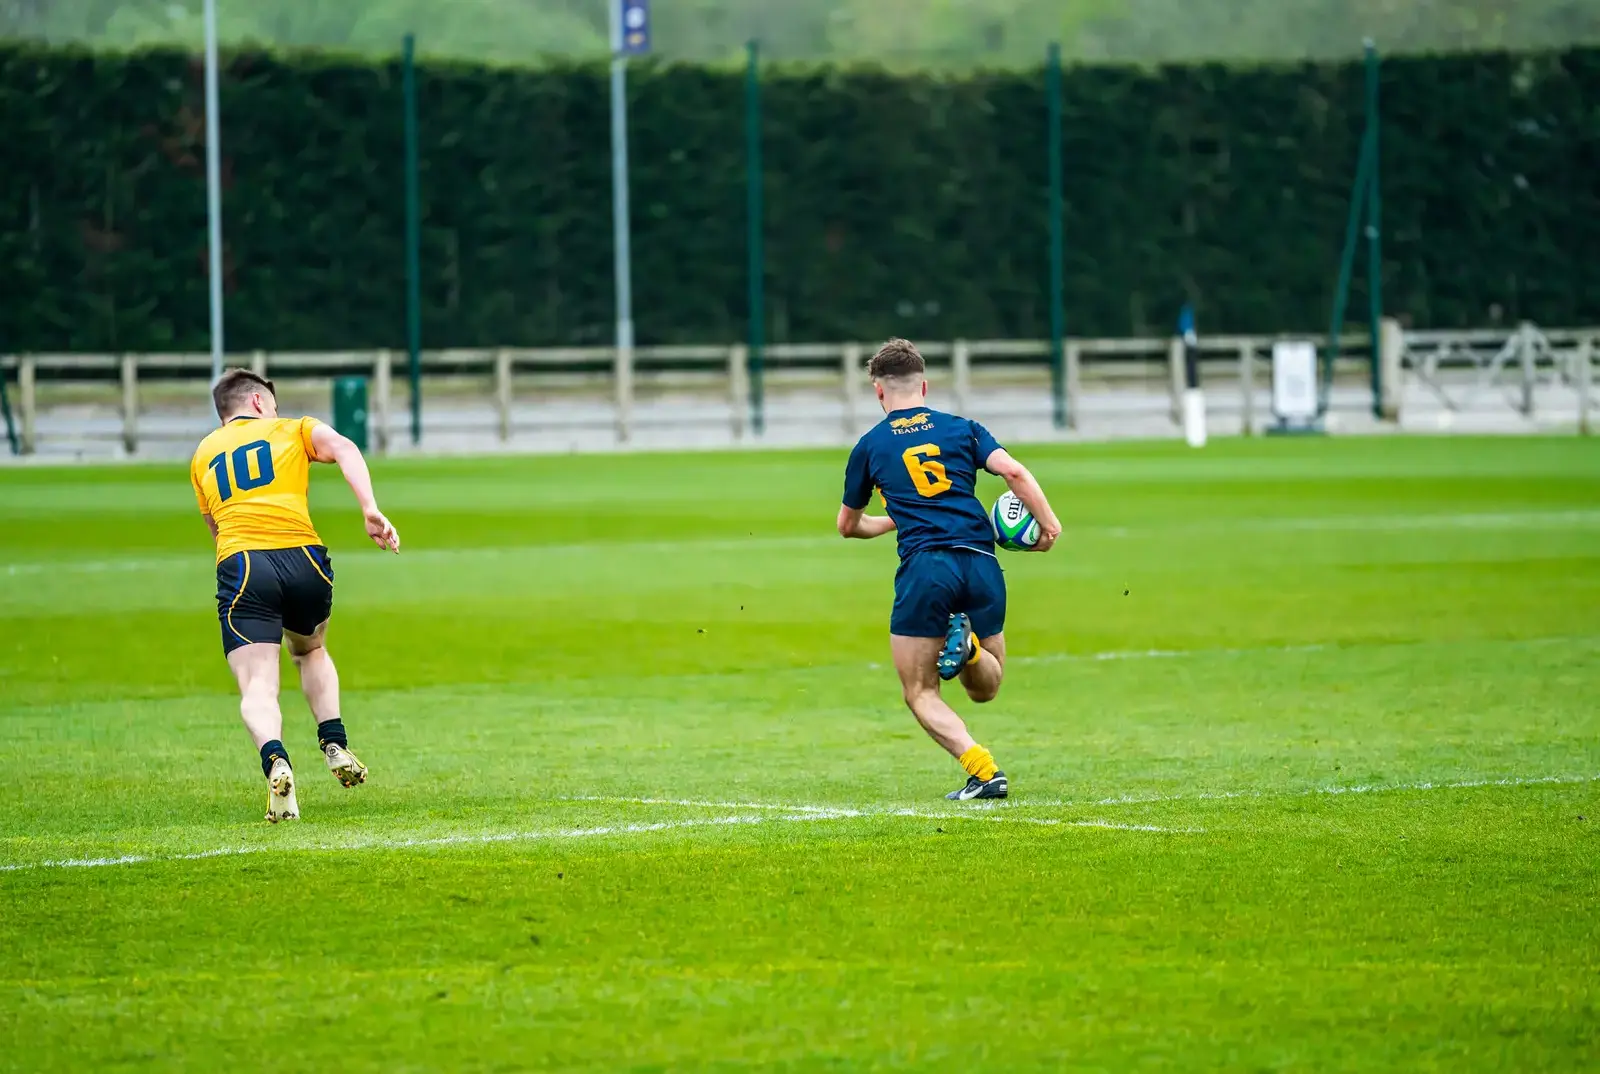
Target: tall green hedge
895, 204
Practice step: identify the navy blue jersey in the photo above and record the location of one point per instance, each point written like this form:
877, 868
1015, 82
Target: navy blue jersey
926, 464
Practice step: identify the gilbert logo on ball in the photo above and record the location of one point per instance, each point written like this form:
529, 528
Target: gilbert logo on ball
1014, 525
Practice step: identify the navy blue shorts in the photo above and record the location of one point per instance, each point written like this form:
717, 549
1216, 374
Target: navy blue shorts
935, 584
262, 593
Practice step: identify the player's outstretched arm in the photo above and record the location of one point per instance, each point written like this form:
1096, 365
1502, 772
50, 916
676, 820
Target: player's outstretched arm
1022, 482
330, 446
855, 522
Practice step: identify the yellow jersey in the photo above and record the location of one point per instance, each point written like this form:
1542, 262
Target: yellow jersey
251, 476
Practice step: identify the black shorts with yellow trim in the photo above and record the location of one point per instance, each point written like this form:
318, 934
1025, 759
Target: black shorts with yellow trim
260, 594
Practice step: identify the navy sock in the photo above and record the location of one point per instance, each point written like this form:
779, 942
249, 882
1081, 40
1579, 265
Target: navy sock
332, 731
269, 750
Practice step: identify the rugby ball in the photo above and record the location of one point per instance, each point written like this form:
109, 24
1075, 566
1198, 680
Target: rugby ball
1014, 526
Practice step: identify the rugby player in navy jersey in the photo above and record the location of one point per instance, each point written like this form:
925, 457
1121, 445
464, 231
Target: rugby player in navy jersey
949, 611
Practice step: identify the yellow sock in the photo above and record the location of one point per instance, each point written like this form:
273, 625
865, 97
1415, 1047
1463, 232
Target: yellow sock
977, 651
979, 762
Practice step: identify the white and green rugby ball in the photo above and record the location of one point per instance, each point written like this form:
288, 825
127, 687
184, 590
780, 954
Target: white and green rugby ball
1014, 525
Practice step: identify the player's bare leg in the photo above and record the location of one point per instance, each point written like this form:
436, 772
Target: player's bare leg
982, 676
255, 667
916, 662
319, 681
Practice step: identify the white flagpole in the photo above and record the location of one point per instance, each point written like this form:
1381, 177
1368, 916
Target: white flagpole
623, 263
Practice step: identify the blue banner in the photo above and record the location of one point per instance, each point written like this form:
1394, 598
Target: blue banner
635, 27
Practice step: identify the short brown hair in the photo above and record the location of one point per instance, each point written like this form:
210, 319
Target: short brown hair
234, 386
897, 358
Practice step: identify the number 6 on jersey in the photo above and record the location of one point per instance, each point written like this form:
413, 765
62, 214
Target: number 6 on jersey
929, 476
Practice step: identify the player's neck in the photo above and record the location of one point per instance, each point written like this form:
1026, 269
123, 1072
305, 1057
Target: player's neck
891, 403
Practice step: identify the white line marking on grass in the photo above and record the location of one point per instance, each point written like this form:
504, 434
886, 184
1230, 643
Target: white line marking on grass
1274, 650
969, 810
792, 814
696, 804
1161, 654
803, 812
1360, 788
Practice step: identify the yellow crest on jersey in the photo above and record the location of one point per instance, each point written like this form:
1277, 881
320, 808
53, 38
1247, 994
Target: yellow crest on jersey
909, 423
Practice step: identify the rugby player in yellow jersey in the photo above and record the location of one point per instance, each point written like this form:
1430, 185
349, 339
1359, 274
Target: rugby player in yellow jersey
274, 578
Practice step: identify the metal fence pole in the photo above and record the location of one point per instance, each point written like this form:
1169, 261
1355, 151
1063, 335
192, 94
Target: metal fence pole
214, 187
1347, 264
1057, 212
755, 225
413, 236
1374, 233
621, 226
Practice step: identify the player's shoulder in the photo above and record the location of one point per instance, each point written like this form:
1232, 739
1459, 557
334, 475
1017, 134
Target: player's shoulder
211, 442
290, 424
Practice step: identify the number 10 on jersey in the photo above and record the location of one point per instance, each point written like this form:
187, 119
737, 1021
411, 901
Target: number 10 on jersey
261, 453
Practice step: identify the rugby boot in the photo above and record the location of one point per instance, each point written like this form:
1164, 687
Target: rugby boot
960, 647
977, 788
345, 766
281, 802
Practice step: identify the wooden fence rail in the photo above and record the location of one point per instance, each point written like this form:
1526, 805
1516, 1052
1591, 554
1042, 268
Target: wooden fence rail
724, 370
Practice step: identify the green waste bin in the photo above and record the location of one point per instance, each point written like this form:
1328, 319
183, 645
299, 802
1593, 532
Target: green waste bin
350, 409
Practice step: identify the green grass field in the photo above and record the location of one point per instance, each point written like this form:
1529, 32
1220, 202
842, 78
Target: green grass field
1304, 740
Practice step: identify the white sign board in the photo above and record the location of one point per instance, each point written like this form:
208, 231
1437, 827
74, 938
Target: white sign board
1294, 381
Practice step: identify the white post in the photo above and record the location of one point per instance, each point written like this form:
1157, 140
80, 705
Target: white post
214, 187
502, 392
1194, 417
380, 400
1525, 357
1175, 380
1585, 379
1391, 354
1247, 387
623, 372
27, 401
130, 404
1074, 363
961, 374
738, 388
258, 363
850, 384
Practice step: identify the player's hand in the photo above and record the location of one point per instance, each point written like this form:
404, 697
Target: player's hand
1047, 537
382, 531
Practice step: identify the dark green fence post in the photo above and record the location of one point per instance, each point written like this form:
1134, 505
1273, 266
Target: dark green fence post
5, 408
1347, 264
1058, 331
1374, 231
757, 269
413, 238
350, 409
